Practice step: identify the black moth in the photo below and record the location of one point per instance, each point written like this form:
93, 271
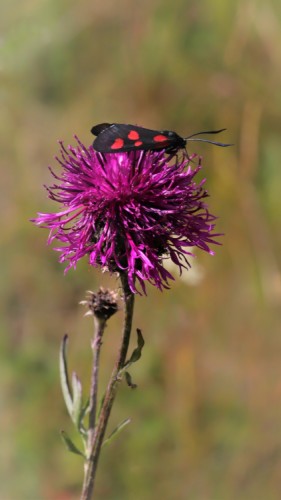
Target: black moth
118, 137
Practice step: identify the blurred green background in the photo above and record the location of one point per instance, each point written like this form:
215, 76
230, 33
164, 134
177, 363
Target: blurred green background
206, 417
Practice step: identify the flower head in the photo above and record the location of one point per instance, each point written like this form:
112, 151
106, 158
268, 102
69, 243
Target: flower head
128, 212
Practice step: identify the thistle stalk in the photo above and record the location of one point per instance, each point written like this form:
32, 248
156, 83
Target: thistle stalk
96, 434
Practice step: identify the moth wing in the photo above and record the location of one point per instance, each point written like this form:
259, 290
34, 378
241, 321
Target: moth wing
116, 138
106, 136
97, 129
125, 137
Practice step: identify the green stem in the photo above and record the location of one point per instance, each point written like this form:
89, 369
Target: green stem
97, 438
96, 347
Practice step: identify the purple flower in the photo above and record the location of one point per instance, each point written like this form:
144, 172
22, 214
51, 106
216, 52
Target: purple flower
128, 212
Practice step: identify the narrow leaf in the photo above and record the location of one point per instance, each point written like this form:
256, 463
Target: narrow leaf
64, 376
77, 399
129, 381
136, 354
70, 445
83, 412
116, 431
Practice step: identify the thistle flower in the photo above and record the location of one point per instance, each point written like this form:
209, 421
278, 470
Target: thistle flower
128, 212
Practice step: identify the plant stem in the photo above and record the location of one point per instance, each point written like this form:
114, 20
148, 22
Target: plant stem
96, 347
98, 436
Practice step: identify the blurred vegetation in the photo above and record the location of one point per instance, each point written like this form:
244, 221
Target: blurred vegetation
206, 417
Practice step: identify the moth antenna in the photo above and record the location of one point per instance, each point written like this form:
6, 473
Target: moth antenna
205, 132
221, 144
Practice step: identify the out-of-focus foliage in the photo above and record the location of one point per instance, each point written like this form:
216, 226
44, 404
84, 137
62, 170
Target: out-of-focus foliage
206, 417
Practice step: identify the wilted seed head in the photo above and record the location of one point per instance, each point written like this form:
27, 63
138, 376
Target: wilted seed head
101, 304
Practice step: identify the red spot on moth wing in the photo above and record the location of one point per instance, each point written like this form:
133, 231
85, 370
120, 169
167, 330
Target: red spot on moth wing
133, 135
138, 143
118, 143
160, 138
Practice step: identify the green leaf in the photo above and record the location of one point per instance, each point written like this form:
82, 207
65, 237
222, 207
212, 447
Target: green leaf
64, 379
70, 445
77, 399
129, 381
83, 412
136, 354
116, 431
